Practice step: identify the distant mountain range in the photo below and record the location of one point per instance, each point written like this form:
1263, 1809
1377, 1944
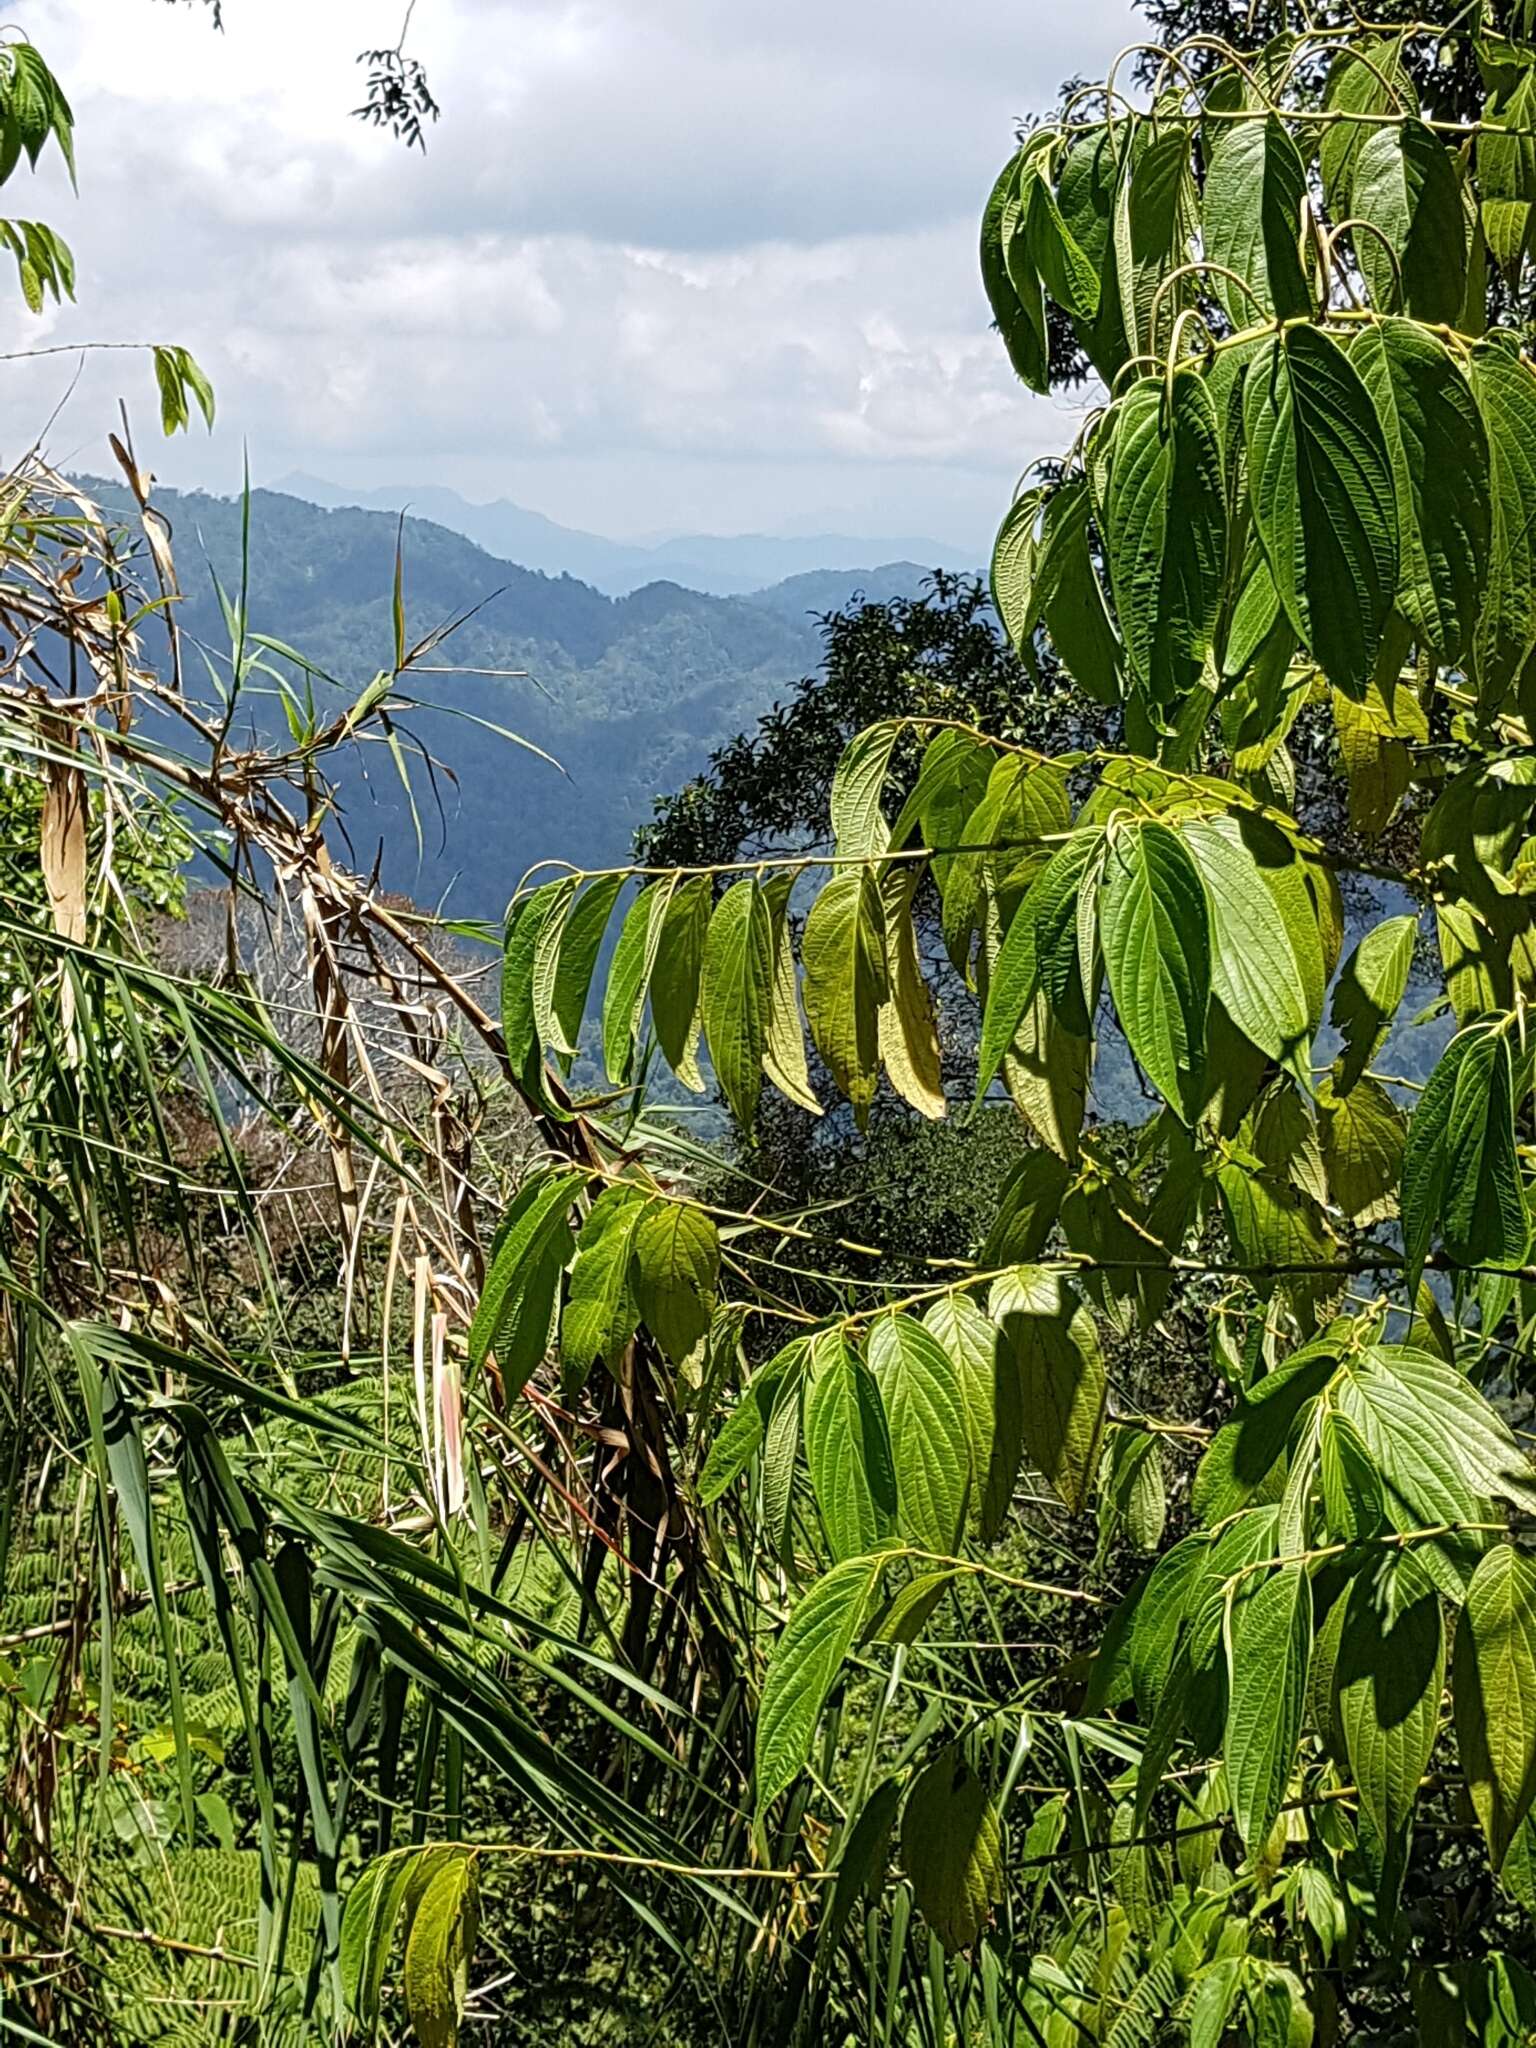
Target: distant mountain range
629, 693
722, 565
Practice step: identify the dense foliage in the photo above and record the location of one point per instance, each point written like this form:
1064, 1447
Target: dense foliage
509, 1542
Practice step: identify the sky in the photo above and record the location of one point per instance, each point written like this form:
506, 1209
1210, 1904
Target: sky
667, 265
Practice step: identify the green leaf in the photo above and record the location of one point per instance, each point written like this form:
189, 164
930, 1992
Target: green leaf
859, 827
737, 994
1020, 320
438, 1951
1387, 1683
1085, 193
741, 1437
525, 927
676, 1267
907, 1029
846, 981
1494, 1686
969, 1339
1370, 79
1027, 1209
1245, 1450
1011, 986
676, 976
629, 977
1064, 266
1366, 996
1353, 1503
1157, 953
1070, 598
1323, 499
848, 1448
1153, 218
1440, 472
1271, 1651
1051, 1340
581, 938
1166, 532
1461, 1172
952, 1846
803, 1668
600, 1312
1015, 559
1505, 388
1405, 186
533, 1244
1362, 1136
784, 1059
1255, 970
387, 1893
1251, 221
930, 1433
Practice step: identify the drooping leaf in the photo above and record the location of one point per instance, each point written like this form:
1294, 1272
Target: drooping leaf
1505, 389
1063, 1386
1166, 522
1387, 1680
1065, 268
847, 980
1362, 1136
629, 976
601, 1314
969, 1340
1323, 499
1255, 968
1020, 320
848, 1448
1271, 1650
1157, 952
1494, 1686
1461, 1172
676, 976
1251, 221
676, 1265
742, 1435
1440, 471
784, 1060
1153, 217
736, 995
930, 1436
952, 1847
438, 1951
1366, 996
1406, 188
804, 1667
1368, 79
907, 1027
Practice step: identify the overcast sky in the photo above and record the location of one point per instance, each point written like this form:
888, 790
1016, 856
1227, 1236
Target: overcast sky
667, 264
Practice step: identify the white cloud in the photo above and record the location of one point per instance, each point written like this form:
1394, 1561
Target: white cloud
667, 262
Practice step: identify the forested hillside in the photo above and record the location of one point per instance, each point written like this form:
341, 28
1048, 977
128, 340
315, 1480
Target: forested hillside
629, 694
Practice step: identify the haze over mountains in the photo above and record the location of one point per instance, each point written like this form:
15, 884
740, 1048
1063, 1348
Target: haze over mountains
718, 564
629, 693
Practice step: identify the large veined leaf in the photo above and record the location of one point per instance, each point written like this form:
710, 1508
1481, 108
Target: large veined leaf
676, 1268
1085, 193
969, 1339
675, 978
1153, 216
581, 938
1166, 522
601, 1313
532, 1245
1505, 388
1368, 79
737, 994
1406, 188
1387, 1681
1366, 996
742, 1434
527, 923
1271, 1651
1461, 1171
1026, 1212
1255, 968
1362, 1136
1069, 597
1376, 750
784, 1059
1440, 470
1065, 268
629, 976
1250, 221
1246, 1448
1506, 161
1323, 499
1054, 1347
1020, 321
908, 1030
435, 1979
930, 1436
1157, 952
1493, 1681
847, 980
804, 1667
859, 827
953, 1849
848, 1448
1015, 560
